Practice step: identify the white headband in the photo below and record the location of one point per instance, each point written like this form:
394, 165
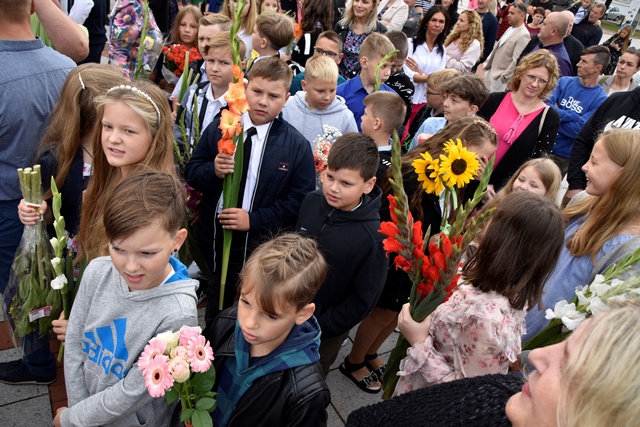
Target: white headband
141, 93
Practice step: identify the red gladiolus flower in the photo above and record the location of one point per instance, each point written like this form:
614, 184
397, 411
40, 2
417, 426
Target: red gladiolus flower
425, 266
433, 274
392, 208
417, 239
424, 289
446, 245
452, 286
392, 245
417, 253
440, 261
389, 229
402, 262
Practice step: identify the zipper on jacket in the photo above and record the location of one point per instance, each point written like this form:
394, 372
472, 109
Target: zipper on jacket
326, 221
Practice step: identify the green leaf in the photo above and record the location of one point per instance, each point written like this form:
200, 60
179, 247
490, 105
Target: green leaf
186, 414
201, 383
205, 403
171, 395
201, 418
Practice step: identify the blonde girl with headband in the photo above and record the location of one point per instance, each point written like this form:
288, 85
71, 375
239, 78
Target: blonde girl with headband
135, 129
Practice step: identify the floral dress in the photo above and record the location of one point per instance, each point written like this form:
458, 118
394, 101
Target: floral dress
350, 61
474, 333
125, 24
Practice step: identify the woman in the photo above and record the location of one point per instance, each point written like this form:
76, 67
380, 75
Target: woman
426, 55
534, 26
617, 44
451, 6
393, 14
622, 80
317, 16
465, 43
358, 21
526, 127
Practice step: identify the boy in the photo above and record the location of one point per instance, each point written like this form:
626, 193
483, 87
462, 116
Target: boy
274, 327
125, 300
271, 33
210, 94
328, 44
318, 104
384, 113
344, 218
278, 172
375, 47
398, 80
464, 96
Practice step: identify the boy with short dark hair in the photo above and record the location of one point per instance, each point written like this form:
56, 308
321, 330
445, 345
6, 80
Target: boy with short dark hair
329, 44
399, 81
125, 300
373, 49
464, 96
272, 32
344, 218
279, 171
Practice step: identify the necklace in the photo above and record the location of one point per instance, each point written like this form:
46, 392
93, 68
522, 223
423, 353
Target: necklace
87, 151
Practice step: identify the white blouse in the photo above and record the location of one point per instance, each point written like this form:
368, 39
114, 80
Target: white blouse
428, 62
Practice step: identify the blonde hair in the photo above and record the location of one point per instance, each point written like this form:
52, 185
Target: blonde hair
322, 68
474, 33
276, 28
286, 270
195, 14
436, 78
222, 41
376, 44
606, 215
539, 58
349, 16
92, 238
600, 378
222, 21
248, 20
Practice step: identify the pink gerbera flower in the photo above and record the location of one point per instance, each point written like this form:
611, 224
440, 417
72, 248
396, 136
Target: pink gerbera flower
156, 347
157, 377
188, 332
200, 354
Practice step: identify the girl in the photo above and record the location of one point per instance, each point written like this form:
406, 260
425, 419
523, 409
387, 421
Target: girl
249, 16
269, 6
363, 360
317, 17
358, 21
477, 331
267, 347
136, 129
465, 43
617, 44
603, 223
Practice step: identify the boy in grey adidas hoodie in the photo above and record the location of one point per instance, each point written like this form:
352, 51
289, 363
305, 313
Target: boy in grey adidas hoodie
125, 300
317, 105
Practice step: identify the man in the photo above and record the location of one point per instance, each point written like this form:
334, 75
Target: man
550, 37
573, 46
502, 61
489, 28
576, 99
587, 32
30, 88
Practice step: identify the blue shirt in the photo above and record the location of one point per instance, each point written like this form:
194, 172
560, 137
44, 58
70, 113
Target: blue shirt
431, 126
354, 93
30, 84
560, 52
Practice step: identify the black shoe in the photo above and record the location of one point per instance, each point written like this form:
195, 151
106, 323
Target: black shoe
15, 372
367, 384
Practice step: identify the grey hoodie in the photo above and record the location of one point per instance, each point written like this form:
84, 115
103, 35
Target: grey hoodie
109, 327
309, 122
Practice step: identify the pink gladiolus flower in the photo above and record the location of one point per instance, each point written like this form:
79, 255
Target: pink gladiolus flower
156, 347
157, 378
200, 354
186, 332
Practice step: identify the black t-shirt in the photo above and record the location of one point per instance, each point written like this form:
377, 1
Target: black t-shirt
538, 3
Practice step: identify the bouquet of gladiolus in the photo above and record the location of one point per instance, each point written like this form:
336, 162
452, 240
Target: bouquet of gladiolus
432, 267
321, 147
178, 365
589, 301
176, 58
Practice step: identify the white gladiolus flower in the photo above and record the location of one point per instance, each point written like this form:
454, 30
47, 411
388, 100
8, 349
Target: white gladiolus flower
616, 282
55, 262
596, 306
59, 282
599, 289
54, 241
598, 279
570, 317
582, 299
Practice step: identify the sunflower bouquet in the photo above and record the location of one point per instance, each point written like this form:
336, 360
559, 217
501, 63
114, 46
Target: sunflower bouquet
433, 267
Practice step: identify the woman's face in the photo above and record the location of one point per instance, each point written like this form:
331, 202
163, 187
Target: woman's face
537, 19
628, 65
447, 3
436, 24
537, 403
463, 23
533, 82
362, 8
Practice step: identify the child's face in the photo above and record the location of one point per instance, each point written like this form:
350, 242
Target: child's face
142, 259
188, 30
125, 137
245, 10
344, 188
325, 46
456, 108
397, 65
205, 34
600, 170
368, 123
263, 332
483, 148
529, 180
256, 38
219, 68
320, 94
266, 98
369, 69
269, 6
435, 98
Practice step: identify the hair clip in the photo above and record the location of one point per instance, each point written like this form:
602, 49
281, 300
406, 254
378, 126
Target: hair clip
81, 81
485, 125
141, 93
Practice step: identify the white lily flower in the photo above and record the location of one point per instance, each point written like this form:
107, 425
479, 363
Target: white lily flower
55, 262
596, 306
59, 282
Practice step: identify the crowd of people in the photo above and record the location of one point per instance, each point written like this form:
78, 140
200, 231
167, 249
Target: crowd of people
528, 87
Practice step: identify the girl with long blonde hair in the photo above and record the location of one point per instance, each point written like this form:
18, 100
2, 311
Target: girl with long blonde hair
249, 16
465, 43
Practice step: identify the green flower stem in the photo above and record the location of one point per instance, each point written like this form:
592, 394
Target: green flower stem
384, 60
143, 36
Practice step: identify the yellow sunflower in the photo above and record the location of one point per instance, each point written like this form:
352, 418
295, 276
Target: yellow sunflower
428, 173
459, 165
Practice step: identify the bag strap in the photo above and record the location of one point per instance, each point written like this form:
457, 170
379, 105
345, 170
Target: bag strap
544, 115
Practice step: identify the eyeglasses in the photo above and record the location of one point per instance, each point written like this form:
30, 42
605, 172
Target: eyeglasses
328, 53
433, 93
533, 78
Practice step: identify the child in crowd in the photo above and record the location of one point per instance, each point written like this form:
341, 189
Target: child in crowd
272, 32
464, 97
208, 26
344, 218
126, 299
268, 6
328, 44
318, 104
210, 95
373, 49
478, 330
398, 80
279, 170
249, 15
383, 114
367, 368
267, 346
